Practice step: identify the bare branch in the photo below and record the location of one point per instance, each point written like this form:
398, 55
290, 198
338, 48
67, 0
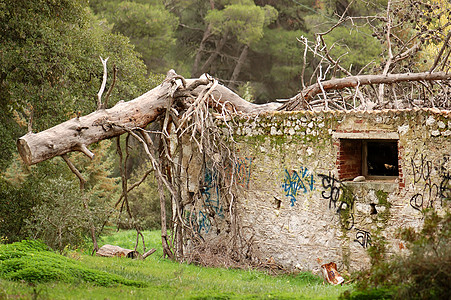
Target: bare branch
105, 102
440, 53
102, 87
75, 171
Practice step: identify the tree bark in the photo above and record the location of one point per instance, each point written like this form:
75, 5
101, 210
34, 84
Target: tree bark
112, 251
78, 133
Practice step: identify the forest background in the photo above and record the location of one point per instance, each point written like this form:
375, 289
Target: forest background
50, 71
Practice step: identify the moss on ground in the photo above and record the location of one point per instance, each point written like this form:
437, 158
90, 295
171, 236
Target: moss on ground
33, 262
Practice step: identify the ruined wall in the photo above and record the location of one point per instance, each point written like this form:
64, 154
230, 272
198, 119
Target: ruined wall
297, 204
294, 203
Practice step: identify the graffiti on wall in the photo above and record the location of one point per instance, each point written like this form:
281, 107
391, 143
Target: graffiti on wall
341, 199
431, 193
198, 221
241, 171
363, 237
295, 183
211, 194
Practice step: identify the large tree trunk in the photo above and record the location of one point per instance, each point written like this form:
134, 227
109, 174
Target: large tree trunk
76, 134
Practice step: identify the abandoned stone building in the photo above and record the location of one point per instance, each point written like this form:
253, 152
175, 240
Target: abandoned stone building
319, 187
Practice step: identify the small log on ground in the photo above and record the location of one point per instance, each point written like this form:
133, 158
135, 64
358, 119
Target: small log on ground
148, 253
116, 251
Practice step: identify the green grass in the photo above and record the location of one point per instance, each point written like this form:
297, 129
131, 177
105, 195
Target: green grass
154, 278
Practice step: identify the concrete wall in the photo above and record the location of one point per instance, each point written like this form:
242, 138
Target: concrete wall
295, 204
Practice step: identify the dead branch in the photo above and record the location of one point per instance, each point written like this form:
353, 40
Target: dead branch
108, 93
102, 87
310, 92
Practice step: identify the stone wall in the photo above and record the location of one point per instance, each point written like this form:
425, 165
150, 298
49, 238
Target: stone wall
297, 203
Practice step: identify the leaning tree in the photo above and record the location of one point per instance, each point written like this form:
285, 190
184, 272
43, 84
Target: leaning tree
190, 118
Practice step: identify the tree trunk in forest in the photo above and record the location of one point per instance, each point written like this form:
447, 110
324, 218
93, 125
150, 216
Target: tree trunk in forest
238, 66
195, 71
215, 54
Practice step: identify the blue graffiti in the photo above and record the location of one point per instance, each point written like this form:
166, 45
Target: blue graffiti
198, 222
211, 193
297, 182
204, 222
243, 171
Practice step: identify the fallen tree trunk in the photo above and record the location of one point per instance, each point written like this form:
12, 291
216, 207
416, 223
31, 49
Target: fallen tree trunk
76, 134
299, 102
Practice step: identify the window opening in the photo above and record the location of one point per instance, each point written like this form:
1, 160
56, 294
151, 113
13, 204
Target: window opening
374, 159
382, 158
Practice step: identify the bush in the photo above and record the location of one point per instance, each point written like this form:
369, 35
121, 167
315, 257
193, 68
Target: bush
60, 219
424, 273
16, 205
144, 203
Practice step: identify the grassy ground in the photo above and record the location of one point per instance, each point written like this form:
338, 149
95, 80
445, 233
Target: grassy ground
164, 279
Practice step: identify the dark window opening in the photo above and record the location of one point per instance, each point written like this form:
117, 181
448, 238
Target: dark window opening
382, 158
374, 159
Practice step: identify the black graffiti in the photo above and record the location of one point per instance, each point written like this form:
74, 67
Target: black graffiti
332, 189
445, 187
432, 192
423, 170
363, 237
340, 199
426, 198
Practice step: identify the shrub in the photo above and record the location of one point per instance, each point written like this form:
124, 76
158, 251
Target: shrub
423, 273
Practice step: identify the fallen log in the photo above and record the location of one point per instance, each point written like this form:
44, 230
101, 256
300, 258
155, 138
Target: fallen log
116, 251
78, 133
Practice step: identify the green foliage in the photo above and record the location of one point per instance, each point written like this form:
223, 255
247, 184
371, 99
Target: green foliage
245, 20
45, 201
60, 219
149, 26
50, 68
32, 262
163, 279
278, 63
348, 47
50, 65
422, 273
16, 204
